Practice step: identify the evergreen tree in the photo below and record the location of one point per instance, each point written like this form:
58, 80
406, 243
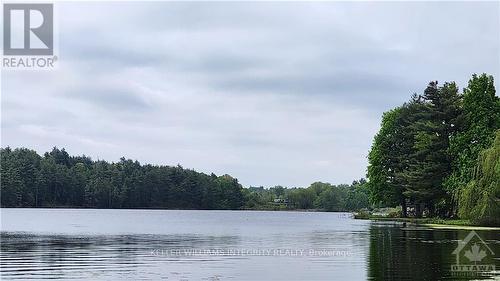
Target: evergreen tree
430, 162
388, 158
58, 179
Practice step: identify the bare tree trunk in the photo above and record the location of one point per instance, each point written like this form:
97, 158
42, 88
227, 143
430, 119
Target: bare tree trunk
404, 211
418, 210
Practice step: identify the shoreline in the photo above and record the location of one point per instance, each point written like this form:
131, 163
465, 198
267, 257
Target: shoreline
435, 223
164, 209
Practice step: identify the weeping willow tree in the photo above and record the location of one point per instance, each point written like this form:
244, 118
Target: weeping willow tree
480, 200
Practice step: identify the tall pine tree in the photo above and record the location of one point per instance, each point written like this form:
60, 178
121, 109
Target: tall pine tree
430, 162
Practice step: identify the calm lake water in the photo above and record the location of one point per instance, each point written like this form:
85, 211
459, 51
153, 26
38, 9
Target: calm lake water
90, 244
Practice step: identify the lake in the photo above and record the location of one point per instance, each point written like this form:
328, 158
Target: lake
97, 244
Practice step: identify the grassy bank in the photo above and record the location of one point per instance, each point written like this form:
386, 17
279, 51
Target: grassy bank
432, 222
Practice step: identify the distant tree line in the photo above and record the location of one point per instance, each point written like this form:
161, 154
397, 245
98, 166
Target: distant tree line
318, 196
57, 179
435, 155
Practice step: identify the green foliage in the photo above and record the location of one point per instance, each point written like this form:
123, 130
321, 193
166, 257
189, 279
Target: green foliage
303, 198
379, 172
478, 123
318, 196
480, 199
388, 158
58, 179
427, 149
20, 171
430, 162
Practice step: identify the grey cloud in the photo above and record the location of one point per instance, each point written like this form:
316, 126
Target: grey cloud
364, 88
110, 98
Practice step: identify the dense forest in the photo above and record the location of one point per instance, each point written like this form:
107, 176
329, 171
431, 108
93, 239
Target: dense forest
57, 179
436, 155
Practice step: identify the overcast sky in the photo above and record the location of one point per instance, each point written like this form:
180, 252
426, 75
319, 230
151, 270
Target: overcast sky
271, 93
